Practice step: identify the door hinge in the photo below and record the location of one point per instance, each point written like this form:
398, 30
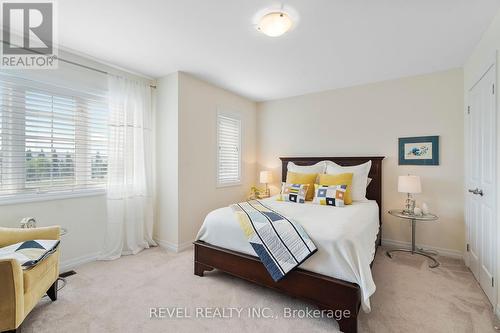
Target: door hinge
468, 109
467, 247
492, 281
493, 89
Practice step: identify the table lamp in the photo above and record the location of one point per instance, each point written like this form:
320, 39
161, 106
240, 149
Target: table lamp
266, 177
409, 185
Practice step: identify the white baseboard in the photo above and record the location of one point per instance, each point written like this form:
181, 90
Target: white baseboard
174, 247
70, 264
442, 252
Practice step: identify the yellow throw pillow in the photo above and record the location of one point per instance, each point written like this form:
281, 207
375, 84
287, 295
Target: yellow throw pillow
339, 179
303, 178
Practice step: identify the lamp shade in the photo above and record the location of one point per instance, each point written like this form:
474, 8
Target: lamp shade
409, 184
266, 177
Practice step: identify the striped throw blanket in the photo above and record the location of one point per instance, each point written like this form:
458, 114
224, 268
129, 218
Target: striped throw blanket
280, 243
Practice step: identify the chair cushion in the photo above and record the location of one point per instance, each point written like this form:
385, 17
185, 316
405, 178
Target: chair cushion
33, 276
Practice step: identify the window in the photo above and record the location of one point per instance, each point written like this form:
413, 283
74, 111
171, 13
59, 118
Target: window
229, 150
52, 139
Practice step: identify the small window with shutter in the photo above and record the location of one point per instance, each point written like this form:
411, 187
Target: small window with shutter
228, 150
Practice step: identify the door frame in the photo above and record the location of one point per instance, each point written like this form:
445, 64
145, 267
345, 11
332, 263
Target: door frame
493, 62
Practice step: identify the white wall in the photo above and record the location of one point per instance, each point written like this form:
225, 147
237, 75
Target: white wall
368, 120
84, 218
483, 56
166, 230
197, 105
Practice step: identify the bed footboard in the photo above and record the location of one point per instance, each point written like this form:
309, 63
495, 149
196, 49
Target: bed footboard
323, 291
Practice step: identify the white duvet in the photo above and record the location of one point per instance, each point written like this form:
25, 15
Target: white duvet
345, 238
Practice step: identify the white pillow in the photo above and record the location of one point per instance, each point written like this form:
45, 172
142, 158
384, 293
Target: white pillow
368, 181
359, 177
319, 167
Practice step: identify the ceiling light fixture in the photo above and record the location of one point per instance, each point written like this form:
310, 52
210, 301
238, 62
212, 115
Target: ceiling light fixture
275, 24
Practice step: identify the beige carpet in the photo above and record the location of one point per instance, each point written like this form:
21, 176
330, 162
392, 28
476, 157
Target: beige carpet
117, 296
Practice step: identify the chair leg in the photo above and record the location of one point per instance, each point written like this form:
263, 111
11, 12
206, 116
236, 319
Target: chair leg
52, 292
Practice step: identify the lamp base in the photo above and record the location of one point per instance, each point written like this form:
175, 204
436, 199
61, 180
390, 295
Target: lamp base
409, 205
406, 212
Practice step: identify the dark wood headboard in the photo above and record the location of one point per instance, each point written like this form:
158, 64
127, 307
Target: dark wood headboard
373, 191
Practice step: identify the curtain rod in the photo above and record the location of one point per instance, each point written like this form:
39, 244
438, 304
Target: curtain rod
89, 68
78, 64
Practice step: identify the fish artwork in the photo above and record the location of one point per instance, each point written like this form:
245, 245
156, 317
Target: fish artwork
418, 151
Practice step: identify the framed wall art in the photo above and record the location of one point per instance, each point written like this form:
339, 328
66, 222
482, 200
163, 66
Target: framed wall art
420, 150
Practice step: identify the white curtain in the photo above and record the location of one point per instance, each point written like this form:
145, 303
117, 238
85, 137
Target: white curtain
130, 190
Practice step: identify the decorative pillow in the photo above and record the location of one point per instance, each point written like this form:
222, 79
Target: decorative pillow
333, 195
339, 179
359, 178
293, 192
303, 178
319, 167
29, 253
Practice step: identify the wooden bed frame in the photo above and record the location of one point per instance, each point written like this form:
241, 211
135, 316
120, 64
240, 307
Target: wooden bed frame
325, 292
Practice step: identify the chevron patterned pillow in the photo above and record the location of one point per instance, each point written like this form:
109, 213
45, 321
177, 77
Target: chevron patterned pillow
29, 253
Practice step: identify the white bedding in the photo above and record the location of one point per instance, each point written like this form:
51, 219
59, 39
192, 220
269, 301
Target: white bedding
345, 238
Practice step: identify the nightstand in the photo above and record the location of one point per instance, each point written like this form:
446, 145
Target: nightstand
414, 250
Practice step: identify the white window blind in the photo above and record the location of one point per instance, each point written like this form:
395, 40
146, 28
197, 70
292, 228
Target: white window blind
229, 150
52, 139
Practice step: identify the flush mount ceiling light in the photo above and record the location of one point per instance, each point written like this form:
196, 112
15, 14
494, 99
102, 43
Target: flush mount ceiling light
275, 24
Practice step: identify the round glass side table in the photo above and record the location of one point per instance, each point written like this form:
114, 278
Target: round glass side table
414, 250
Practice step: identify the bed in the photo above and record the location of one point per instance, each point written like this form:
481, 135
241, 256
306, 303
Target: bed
340, 284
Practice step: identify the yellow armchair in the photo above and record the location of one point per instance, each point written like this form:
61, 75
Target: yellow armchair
20, 289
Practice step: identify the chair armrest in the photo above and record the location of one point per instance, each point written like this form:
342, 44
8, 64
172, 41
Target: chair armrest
11, 289
9, 236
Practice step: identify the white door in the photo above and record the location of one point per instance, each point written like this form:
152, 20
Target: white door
481, 180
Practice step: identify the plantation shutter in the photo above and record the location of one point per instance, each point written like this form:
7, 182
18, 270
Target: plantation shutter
229, 150
52, 139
